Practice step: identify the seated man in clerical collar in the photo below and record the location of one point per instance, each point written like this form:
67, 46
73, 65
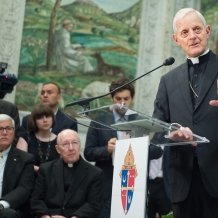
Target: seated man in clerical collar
69, 186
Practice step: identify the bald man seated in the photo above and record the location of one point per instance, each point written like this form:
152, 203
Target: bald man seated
68, 187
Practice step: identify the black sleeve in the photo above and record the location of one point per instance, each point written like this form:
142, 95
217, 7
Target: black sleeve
15, 116
74, 124
96, 144
155, 152
24, 124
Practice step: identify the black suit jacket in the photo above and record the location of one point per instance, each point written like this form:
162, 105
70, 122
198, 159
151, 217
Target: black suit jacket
96, 149
11, 110
165, 168
173, 104
18, 178
84, 197
62, 122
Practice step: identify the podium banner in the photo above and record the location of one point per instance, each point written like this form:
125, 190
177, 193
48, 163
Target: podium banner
129, 178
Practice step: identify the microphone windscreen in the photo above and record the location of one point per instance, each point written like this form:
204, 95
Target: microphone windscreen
169, 61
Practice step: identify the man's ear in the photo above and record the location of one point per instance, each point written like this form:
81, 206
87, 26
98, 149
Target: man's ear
133, 97
59, 97
175, 38
111, 98
57, 149
208, 31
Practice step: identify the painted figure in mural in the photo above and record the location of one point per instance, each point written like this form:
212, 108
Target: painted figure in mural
186, 96
69, 56
107, 69
94, 89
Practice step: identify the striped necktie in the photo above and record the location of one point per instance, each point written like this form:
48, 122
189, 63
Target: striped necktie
154, 168
123, 133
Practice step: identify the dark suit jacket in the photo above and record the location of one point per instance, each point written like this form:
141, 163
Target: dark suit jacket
96, 149
11, 110
173, 104
62, 122
165, 168
18, 178
84, 197
158, 136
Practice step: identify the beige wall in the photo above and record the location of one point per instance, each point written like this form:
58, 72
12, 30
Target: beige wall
11, 26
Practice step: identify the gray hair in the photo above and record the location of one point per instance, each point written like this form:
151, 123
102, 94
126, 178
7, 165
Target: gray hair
182, 13
4, 117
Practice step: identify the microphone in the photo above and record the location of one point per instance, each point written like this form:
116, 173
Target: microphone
169, 61
84, 102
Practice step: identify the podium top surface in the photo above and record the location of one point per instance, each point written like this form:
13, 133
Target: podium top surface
120, 118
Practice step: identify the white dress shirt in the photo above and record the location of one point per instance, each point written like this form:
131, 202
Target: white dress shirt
2, 168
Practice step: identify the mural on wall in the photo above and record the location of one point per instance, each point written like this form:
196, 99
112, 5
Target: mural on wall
80, 44
209, 8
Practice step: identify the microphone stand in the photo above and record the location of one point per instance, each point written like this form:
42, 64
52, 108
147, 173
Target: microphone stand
85, 102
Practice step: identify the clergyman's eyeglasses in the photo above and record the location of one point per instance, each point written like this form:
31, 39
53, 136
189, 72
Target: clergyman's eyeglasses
66, 145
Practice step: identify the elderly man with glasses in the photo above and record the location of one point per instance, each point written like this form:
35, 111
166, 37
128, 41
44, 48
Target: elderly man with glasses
68, 187
16, 173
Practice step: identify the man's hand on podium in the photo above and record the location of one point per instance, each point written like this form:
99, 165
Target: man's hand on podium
182, 136
214, 103
111, 145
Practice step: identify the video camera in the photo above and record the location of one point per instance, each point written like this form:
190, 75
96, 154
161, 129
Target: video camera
7, 81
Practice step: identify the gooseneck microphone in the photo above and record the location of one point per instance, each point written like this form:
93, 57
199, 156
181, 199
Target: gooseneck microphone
84, 102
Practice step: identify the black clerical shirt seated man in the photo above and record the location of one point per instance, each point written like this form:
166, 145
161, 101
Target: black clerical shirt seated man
68, 187
16, 173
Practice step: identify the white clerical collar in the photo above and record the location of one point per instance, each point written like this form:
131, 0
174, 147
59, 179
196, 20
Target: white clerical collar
196, 59
70, 165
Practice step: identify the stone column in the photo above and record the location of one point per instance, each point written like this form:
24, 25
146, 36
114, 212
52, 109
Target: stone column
11, 27
156, 45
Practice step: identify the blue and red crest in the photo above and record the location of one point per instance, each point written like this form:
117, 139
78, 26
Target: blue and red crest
128, 174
